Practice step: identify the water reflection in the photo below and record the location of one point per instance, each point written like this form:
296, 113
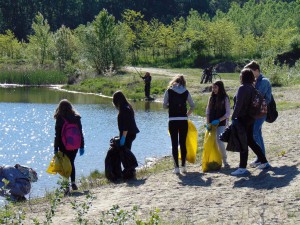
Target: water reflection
27, 130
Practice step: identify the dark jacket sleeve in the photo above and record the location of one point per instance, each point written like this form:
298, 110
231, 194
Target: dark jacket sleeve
242, 102
57, 139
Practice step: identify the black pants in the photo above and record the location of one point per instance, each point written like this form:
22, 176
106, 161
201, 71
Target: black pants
129, 139
178, 128
147, 90
72, 156
248, 123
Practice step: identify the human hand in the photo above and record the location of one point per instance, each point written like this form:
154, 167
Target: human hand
215, 122
122, 140
81, 151
207, 126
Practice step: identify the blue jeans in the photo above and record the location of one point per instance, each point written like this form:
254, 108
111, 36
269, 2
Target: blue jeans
257, 134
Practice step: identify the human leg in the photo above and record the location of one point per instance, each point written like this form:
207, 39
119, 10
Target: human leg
257, 133
183, 129
221, 145
72, 156
129, 139
173, 129
254, 146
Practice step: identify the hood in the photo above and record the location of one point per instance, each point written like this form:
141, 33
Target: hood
178, 88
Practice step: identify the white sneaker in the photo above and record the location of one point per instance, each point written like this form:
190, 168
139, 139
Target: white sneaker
176, 170
240, 171
264, 166
255, 164
183, 169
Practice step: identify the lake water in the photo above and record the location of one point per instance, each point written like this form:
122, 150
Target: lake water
27, 131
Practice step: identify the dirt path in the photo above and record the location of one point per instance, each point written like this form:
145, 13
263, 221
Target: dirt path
269, 196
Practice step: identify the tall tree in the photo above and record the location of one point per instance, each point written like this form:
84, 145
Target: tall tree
41, 41
105, 43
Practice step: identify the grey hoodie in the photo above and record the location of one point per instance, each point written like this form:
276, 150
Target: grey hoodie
178, 89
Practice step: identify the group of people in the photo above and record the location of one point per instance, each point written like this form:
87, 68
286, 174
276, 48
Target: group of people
180, 105
179, 102
218, 113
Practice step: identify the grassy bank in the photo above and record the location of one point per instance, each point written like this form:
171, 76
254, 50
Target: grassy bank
32, 77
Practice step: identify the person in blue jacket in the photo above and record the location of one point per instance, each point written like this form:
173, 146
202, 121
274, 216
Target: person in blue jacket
263, 85
19, 179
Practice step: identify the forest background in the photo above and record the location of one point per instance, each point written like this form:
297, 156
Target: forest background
79, 39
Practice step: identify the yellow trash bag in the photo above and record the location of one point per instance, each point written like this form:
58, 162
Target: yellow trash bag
61, 164
211, 157
191, 143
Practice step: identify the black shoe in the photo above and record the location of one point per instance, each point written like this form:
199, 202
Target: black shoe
74, 187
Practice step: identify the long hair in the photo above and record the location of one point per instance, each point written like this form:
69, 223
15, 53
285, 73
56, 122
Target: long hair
120, 100
247, 76
179, 79
64, 108
219, 97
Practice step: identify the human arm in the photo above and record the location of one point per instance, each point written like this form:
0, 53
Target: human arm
166, 100
191, 104
240, 100
227, 107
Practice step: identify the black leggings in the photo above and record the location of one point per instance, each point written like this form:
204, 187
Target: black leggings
178, 128
72, 156
252, 144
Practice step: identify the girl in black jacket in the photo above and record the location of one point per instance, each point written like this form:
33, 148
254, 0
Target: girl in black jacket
126, 121
241, 118
65, 111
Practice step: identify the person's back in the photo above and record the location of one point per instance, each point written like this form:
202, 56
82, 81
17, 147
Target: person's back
18, 183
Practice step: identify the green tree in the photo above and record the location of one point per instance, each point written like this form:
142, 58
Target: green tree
42, 39
65, 45
136, 27
9, 46
105, 43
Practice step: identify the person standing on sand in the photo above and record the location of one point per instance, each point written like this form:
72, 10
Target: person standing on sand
217, 114
65, 111
244, 122
126, 121
263, 85
147, 79
175, 99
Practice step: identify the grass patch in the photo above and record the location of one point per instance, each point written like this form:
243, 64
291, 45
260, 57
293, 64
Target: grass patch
30, 77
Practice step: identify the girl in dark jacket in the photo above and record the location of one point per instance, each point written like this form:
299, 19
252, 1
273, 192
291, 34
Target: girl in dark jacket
241, 117
217, 114
65, 111
126, 121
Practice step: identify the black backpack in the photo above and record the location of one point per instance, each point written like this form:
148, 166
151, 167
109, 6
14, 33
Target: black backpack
258, 105
272, 111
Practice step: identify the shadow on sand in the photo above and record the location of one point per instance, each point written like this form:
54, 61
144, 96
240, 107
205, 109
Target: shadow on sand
274, 177
194, 179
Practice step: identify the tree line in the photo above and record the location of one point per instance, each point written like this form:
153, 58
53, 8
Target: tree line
248, 29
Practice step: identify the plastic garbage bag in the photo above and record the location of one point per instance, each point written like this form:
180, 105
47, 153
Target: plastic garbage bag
211, 157
61, 164
191, 143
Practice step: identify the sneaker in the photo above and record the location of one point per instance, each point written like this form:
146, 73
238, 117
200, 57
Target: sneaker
240, 171
183, 169
255, 164
264, 166
176, 170
74, 187
226, 166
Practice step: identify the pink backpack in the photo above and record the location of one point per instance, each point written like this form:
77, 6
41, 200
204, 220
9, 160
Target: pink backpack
71, 135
